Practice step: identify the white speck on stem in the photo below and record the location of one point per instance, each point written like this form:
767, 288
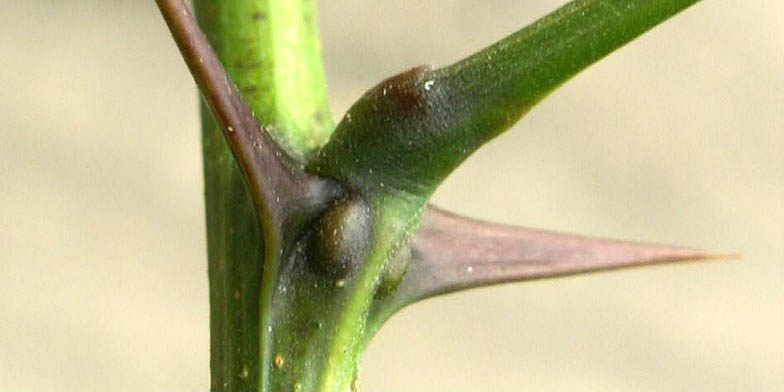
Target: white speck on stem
230, 128
429, 84
469, 269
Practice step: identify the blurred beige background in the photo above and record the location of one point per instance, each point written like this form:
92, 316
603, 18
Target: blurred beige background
679, 138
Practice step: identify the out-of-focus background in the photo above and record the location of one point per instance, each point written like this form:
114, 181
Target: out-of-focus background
676, 138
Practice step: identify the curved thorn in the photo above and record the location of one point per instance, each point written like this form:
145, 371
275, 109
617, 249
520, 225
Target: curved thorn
280, 187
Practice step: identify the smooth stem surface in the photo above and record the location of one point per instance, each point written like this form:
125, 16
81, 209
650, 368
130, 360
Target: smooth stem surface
271, 49
280, 77
508, 78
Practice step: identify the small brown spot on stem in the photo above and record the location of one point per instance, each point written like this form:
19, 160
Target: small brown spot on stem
278, 362
248, 65
405, 89
355, 385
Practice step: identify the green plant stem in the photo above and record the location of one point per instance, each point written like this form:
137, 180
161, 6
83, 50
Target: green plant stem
270, 48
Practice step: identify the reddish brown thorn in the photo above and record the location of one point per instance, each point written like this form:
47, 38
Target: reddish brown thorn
452, 253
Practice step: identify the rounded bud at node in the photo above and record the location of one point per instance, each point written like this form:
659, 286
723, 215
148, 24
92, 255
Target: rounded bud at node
342, 237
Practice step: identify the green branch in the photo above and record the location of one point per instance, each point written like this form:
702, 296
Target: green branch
423, 123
